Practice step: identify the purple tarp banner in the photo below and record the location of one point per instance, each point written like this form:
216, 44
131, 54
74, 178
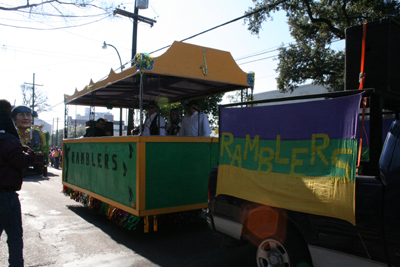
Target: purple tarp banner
297, 121
297, 156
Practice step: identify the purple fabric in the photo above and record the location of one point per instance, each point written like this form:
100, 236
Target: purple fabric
294, 121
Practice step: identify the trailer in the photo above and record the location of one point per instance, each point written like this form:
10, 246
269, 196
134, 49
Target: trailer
314, 179
137, 179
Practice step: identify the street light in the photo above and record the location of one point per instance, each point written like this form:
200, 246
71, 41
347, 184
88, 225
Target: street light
105, 47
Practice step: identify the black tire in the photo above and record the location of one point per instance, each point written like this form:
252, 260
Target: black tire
290, 252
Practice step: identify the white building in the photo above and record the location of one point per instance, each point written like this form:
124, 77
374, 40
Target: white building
46, 126
308, 89
105, 115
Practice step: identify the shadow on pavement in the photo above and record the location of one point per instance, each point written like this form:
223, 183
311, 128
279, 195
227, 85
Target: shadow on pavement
31, 176
173, 245
34, 178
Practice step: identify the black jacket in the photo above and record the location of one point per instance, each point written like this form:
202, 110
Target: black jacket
13, 160
7, 124
154, 129
95, 132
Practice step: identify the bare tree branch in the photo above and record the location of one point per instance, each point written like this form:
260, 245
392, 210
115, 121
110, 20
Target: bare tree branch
41, 98
83, 4
26, 6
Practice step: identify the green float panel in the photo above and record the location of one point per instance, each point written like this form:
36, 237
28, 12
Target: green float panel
177, 173
106, 169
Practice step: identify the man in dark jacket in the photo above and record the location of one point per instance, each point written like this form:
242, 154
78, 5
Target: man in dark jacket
98, 130
13, 159
6, 122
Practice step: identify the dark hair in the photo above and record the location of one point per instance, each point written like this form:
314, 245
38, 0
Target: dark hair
100, 120
6, 122
5, 105
152, 103
192, 102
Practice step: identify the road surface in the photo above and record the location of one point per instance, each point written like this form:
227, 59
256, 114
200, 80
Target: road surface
59, 232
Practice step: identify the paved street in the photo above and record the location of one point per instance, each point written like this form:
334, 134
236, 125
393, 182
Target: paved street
61, 232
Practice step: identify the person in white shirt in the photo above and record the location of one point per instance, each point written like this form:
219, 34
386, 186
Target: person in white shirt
194, 124
174, 124
154, 124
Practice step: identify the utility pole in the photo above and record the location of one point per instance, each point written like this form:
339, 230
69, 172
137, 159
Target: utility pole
57, 133
33, 97
52, 134
136, 17
33, 100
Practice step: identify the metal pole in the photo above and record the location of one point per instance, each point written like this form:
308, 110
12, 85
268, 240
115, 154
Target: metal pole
33, 110
141, 103
57, 133
134, 33
52, 134
33, 101
120, 122
135, 16
120, 61
134, 47
66, 110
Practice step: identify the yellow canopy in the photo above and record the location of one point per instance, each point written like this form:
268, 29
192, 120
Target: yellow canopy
183, 72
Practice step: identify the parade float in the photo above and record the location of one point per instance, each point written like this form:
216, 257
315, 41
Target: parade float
32, 136
135, 179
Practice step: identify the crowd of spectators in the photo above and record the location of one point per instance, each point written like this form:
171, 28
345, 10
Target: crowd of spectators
55, 157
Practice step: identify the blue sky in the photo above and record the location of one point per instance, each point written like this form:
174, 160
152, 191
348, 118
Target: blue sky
69, 58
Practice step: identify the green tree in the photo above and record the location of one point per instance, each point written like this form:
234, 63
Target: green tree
208, 105
240, 96
76, 131
314, 25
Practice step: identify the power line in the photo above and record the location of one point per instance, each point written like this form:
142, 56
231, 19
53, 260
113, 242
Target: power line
223, 24
63, 16
213, 28
49, 53
245, 57
50, 29
57, 105
257, 60
266, 52
257, 54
